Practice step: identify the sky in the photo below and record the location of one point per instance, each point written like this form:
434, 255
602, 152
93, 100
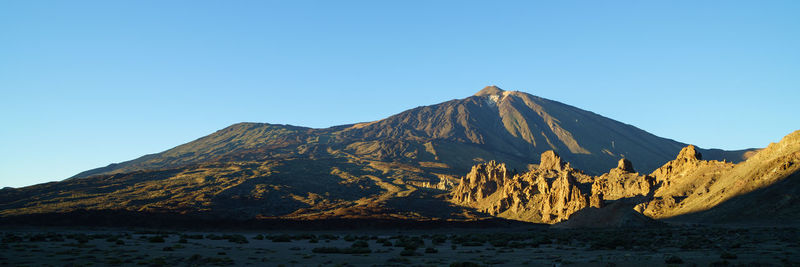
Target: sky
87, 83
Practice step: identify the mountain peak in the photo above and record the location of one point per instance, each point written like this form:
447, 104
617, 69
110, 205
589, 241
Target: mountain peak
489, 90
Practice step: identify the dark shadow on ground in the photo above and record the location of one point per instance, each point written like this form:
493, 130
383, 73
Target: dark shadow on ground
131, 219
777, 204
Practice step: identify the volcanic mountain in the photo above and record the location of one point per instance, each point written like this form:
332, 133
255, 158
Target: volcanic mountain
508, 126
392, 168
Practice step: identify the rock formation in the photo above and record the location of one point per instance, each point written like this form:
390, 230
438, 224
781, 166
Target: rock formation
687, 186
622, 182
548, 194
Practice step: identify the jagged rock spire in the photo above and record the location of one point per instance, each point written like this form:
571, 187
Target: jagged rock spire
690, 153
625, 165
550, 160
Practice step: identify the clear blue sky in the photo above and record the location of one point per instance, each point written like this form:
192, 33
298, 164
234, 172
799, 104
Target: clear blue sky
87, 83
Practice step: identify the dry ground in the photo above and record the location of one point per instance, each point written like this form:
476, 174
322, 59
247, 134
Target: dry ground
679, 246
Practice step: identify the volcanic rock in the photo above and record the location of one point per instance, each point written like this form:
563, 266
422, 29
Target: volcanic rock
625, 165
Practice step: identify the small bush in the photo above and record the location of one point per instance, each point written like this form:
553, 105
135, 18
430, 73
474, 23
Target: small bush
727, 255
409, 251
672, 259
331, 250
238, 239
360, 244
431, 250
192, 236
464, 264
282, 238
156, 239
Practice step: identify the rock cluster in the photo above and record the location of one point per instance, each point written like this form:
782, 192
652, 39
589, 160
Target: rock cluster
548, 194
554, 191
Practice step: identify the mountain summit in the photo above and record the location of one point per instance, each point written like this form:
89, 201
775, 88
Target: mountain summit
489, 90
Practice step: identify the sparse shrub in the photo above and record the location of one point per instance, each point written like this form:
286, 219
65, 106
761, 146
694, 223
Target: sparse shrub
214, 237
238, 239
37, 238
192, 236
672, 259
360, 244
349, 238
304, 236
156, 239
168, 249
408, 251
472, 244
464, 264
399, 260
727, 255
438, 239
719, 263
350, 250
120, 242
259, 237
329, 237
431, 250
409, 242
281, 238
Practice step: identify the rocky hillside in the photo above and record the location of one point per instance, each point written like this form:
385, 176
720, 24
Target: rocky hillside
688, 188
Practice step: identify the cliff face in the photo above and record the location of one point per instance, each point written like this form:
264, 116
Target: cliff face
687, 186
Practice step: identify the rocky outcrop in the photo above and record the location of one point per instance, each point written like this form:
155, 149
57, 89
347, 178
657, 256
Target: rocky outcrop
551, 161
625, 165
680, 178
622, 182
482, 181
548, 194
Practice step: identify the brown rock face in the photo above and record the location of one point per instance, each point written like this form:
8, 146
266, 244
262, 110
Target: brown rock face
625, 165
482, 181
551, 161
548, 194
690, 153
620, 183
